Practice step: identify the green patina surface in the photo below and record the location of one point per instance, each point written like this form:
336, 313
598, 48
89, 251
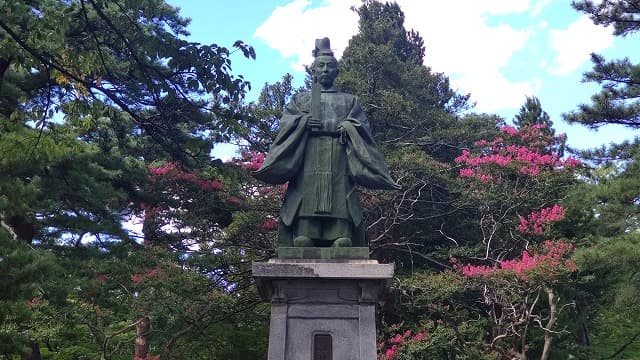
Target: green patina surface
323, 253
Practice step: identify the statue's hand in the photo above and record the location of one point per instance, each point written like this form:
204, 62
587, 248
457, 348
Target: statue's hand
314, 123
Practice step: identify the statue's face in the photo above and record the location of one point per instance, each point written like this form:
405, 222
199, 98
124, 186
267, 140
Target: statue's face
326, 69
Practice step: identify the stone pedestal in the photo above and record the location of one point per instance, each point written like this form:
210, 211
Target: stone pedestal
322, 309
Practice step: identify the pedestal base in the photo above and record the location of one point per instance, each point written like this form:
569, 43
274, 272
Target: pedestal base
322, 310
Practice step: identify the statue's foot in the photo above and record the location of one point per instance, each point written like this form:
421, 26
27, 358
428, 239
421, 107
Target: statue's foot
302, 241
342, 242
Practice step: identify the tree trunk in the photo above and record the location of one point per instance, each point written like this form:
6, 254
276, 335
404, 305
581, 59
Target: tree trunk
142, 344
4, 65
581, 309
34, 354
553, 316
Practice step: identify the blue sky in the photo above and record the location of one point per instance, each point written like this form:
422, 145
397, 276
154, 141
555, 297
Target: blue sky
498, 50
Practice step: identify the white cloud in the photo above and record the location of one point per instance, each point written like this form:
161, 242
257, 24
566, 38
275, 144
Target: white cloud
574, 45
458, 40
538, 7
492, 91
543, 25
293, 28
472, 54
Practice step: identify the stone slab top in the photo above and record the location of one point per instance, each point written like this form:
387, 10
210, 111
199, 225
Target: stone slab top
296, 269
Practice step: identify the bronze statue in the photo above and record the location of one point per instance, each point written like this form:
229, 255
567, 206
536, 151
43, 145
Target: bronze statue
323, 149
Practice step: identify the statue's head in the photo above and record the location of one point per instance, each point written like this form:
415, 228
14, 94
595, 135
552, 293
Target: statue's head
325, 66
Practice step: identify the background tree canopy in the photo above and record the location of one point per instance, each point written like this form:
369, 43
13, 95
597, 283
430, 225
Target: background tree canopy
506, 243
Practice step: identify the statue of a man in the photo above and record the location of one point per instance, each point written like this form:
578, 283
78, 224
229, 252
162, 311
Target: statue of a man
323, 149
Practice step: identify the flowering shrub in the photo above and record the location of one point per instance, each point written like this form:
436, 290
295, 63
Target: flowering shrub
268, 225
399, 344
536, 222
512, 291
511, 180
529, 159
250, 160
553, 259
169, 169
140, 278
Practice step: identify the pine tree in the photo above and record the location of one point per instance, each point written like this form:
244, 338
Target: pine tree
531, 113
109, 113
619, 100
415, 118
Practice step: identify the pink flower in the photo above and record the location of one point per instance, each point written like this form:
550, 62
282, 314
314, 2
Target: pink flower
480, 270
139, 278
210, 185
398, 339
466, 172
391, 351
420, 336
509, 130
571, 162
233, 200
537, 221
268, 225
162, 170
486, 178
251, 160
33, 303
463, 157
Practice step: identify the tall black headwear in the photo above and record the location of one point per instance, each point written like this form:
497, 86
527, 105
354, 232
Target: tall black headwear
323, 47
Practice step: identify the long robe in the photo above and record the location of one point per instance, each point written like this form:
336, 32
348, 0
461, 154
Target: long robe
323, 165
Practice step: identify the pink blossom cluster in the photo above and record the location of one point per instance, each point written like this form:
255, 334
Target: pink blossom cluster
395, 343
554, 254
233, 200
537, 221
139, 278
171, 170
509, 130
519, 266
532, 135
477, 173
502, 156
476, 270
31, 304
531, 158
250, 160
268, 225
162, 170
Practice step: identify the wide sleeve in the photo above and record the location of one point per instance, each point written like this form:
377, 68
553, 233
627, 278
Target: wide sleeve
286, 154
366, 163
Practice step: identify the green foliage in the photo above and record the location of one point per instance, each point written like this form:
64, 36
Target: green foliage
383, 66
604, 209
623, 15
30, 292
618, 101
434, 304
531, 113
606, 204
608, 306
261, 118
413, 112
96, 96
